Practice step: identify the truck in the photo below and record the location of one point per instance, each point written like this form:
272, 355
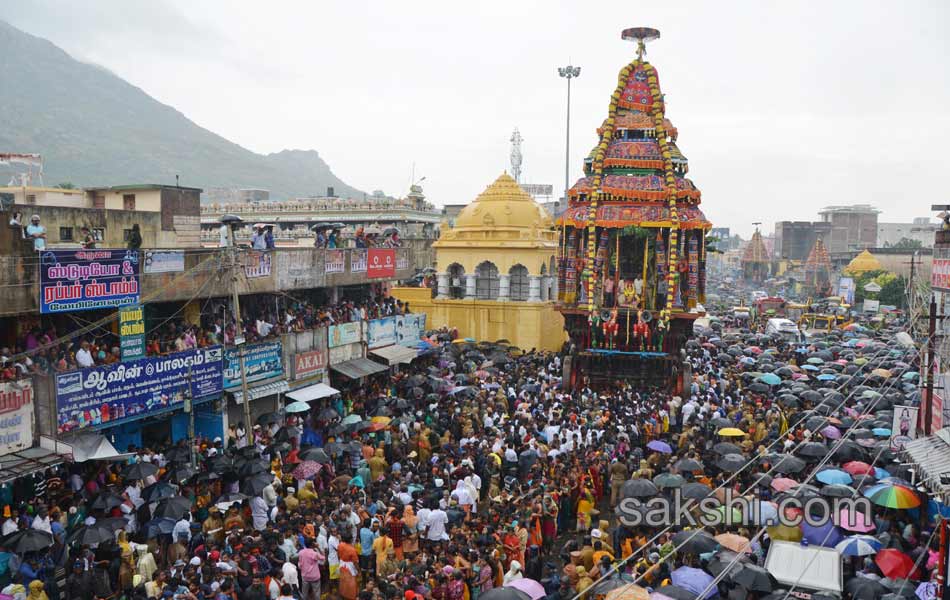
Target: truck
785, 328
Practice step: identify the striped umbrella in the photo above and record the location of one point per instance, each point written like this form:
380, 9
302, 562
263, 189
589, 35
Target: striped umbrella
892, 496
858, 545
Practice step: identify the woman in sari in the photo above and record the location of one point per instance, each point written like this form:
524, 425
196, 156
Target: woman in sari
349, 572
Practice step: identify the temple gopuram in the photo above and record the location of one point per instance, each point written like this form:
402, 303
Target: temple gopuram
631, 270
756, 264
818, 271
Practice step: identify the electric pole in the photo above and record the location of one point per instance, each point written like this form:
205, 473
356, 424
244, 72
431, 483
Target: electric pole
931, 353
229, 220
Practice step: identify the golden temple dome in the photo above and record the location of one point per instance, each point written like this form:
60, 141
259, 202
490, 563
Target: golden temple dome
863, 263
504, 212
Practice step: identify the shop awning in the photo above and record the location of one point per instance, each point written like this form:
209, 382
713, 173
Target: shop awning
89, 445
261, 391
358, 368
395, 355
30, 460
931, 460
312, 392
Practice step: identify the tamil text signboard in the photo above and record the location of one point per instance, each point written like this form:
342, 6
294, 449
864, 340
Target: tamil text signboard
261, 361
345, 333
16, 415
72, 280
132, 332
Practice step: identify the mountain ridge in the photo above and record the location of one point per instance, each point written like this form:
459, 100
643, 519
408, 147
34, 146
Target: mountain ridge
94, 128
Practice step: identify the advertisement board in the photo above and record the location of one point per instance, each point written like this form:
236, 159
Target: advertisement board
98, 395
345, 333
261, 361
341, 354
309, 363
358, 260
410, 328
336, 261
846, 289
132, 332
871, 306
164, 261
257, 263
381, 332
380, 262
300, 269
72, 280
16, 415
903, 426
307, 352
940, 273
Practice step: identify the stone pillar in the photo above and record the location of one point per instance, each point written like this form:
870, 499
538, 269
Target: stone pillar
469, 285
443, 286
554, 289
334, 295
546, 295
504, 287
534, 288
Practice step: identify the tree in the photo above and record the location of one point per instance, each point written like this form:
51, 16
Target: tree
66, 185
908, 243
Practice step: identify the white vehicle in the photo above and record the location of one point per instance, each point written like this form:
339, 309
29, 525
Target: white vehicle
783, 327
757, 294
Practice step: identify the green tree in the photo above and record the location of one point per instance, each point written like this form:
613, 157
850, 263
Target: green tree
908, 243
66, 185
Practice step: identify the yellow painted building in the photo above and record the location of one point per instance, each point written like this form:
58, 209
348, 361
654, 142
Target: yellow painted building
496, 272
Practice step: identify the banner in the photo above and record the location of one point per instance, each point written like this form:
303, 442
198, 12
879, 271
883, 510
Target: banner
261, 361
410, 328
402, 259
903, 426
98, 395
336, 261
300, 269
73, 280
16, 415
257, 264
846, 289
164, 261
381, 332
341, 354
345, 333
940, 275
132, 332
380, 262
309, 363
358, 261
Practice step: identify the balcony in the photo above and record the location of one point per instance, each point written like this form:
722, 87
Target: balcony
206, 274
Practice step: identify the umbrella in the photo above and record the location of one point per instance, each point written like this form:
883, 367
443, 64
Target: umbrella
833, 476
532, 588
688, 465
813, 450
628, 591
838, 490
327, 414
504, 593
892, 496
26, 540
695, 491
157, 491
159, 526
863, 588
731, 432
224, 502
825, 534
856, 467
268, 418
308, 469
180, 473
255, 484
172, 508
695, 541
315, 454
638, 488
785, 533
139, 470
754, 578
858, 545
731, 463
786, 463
113, 523
90, 535
734, 542
286, 434
106, 501
668, 480
693, 580
853, 521
351, 420
660, 446
297, 407
178, 454
253, 467
723, 448
770, 379
895, 564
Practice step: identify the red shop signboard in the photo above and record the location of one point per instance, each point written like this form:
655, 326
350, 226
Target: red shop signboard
381, 262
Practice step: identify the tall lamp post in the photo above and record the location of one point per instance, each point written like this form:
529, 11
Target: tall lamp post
569, 72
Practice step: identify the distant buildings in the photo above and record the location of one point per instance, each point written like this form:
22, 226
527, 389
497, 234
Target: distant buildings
853, 227
922, 230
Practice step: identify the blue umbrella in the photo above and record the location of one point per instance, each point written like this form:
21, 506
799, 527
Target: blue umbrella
881, 432
826, 534
770, 379
767, 514
660, 446
858, 545
834, 476
880, 473
159, 526
810, 368
825, 377
694, 580
296, 407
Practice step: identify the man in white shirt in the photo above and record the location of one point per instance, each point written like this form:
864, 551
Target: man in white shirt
435, 525
84, 356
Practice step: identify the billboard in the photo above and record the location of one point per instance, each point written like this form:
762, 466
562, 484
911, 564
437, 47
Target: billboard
381, 332
410, 328
940, 275
98, 395
132, 332
846, 289
336, 261
16, 415
164, 261
300, 269
904, 426
72, 280
380, 262
345, 333
261, 361
257, 264
358, 261
309, 363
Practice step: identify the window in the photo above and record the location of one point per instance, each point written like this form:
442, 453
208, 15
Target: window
456, 281
128, 202
98, 233
65, 234
31, 198
98, 201
486, 281
518, 284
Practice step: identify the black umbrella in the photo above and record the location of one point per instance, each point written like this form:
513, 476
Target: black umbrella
159, 526
848, 450
180, 473
838, 491
763, 480
695, 541
268, 418
253, 467
327, 414
221, 463
113, 523
27, 540
723, 448
504, 593
668, 480
106, 501
862, 588
695, 491
726, 560
731, 463
139, 470
230, 498
785, 463
172, 508
813, 450
157, 491
677, 593
754, 578
178, 454
638, 488
315, 454
688, 465
90, 535
285, 434
255, 484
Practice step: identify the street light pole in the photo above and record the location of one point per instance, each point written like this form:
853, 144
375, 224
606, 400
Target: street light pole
569, 72
230, 221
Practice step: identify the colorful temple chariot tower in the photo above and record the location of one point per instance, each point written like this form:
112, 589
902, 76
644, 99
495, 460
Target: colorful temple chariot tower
631, 270
818, 271
756, 264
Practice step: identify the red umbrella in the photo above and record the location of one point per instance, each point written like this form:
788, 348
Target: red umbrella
783, 484
856, 467
895, 564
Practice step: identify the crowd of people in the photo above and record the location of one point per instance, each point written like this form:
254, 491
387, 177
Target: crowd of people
476, 469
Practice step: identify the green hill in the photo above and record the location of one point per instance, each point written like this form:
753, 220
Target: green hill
94, 128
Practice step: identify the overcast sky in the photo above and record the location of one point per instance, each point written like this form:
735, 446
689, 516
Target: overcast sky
782, 107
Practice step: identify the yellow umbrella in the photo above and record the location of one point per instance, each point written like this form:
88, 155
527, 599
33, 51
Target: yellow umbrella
383, 420
785, 533
628, 592
881, 373
731, 432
